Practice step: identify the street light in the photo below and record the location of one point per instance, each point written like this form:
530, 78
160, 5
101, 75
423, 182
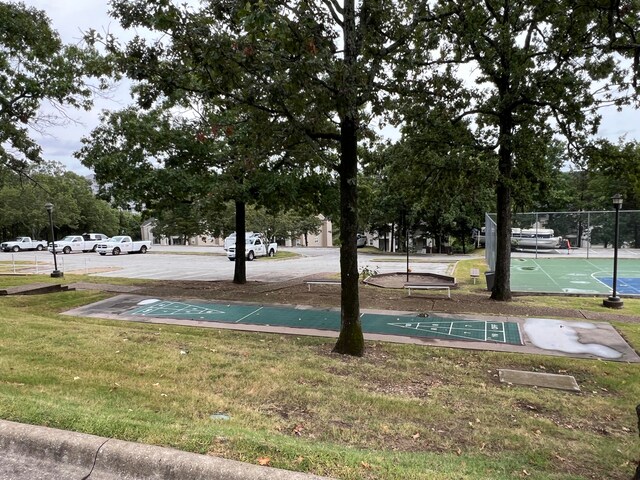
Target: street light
614, 301
56, 273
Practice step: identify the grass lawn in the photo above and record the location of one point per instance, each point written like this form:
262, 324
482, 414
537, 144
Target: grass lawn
400, 412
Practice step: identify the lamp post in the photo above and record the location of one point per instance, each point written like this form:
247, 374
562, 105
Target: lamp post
56, 273
614, 301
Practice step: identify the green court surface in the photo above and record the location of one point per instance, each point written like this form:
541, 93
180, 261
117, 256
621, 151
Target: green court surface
574, 276
413, 326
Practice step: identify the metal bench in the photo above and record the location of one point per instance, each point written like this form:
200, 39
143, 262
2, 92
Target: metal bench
417, 286
321, 282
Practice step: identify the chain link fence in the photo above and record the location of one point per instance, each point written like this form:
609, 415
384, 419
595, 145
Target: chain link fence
587, 233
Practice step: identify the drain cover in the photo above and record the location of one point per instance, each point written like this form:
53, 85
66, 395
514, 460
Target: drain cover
535, 379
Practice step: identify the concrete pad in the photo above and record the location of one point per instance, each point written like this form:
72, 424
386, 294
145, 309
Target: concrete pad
35, 289
538, 379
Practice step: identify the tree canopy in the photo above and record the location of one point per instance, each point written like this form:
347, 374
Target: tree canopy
35, 68
77, 210
535, 65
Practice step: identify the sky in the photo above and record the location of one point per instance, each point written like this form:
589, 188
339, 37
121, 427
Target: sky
72, 17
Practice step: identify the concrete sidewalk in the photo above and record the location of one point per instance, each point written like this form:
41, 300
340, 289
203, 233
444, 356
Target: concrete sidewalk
30, 452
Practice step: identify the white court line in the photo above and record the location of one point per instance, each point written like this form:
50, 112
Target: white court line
634, 290
545, 272
249, 314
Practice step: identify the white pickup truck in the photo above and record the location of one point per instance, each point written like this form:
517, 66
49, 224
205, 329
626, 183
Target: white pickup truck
122, 244
23, 243
254, 247
79, 243
230, 241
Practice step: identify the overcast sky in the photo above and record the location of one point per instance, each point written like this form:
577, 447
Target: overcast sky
72, 17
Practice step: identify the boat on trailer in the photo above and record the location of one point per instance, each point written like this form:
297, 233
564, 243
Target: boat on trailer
534, 238
528, 238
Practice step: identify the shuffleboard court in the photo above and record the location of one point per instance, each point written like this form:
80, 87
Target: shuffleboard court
578, 276
414, 326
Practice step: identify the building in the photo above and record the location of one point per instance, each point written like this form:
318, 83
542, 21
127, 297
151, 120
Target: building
324, 238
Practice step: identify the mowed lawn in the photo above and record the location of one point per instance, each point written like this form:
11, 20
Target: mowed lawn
400, 412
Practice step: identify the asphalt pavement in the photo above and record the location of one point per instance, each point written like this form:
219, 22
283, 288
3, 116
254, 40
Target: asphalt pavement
210, 264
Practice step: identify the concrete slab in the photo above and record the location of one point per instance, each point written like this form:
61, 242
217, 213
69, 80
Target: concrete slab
35, 289
583, 333
538, 379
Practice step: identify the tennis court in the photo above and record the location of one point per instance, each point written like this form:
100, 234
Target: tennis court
578, 276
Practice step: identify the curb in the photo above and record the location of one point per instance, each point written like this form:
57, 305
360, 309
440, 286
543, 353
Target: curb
104, 459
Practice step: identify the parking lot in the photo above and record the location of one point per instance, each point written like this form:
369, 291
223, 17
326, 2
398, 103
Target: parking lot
211, 263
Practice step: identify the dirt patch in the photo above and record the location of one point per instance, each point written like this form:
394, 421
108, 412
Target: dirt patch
297, 293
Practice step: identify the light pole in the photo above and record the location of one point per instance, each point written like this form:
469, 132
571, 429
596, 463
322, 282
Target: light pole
56, 273
614, 301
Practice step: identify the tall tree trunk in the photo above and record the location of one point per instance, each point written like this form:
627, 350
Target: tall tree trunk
351, 339
502, 280
240, 271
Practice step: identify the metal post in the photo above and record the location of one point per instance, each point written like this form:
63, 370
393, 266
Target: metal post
537, 220
406, 229
56, 273
588, 234
614, 301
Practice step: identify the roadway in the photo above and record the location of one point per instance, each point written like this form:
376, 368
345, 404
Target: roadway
210, 263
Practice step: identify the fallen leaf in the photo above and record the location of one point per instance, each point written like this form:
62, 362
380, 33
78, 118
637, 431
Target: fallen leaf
264, 461
365, 465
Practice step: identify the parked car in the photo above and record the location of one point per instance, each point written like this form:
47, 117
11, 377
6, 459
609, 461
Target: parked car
23, 243
361, 240
95, 236
230, 241
86, 242
122, 244
255, 246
